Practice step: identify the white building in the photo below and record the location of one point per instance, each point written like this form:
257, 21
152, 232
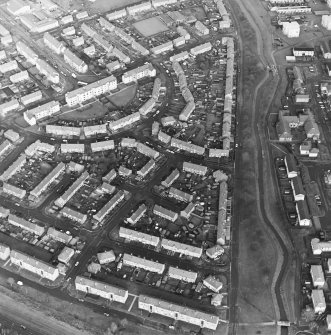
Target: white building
63, 130
187, 111
11, 135
178, 312
4, 212
163, 137
110, 176
106, 257
201, 28
109, 206
318, 299
147, 151
165, 213
200, 49
147, 107
58, 235
9, 66
135, 9
19, 76
48, 71
67, 19
181, 248
27, 52
124, 172
138, 214
13, 190
180, 195
34, 265
137, 236
115, 15
18, 7
31, 116
13, 168
69, 193
103, 146
215, 251
98, 129
74, 61
4, 252
147, 168
143, 263
195, 168
317, 275
66, 255
72, 148
165, 47
318, 247
54, 44
183, 275
213, 284
9, 107
128, 143
159, 3
32, 97
124, 121
143, 71
291, 29
48, 180
35, 147
179, 57
100, 289
189, 209
189, 147
73, 215
5, 146
26, 225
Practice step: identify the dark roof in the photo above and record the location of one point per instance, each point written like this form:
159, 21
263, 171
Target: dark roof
290, 163
303, 211
304, 49
297, 185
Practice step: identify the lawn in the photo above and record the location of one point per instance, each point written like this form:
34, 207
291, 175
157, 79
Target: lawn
92, 111
123, 97
151, 26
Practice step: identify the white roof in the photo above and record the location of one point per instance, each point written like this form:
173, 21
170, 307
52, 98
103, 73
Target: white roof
144, 263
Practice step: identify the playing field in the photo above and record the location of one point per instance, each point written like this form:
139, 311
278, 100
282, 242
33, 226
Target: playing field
151, 26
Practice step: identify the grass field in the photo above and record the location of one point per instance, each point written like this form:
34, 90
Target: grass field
151, 26
124, 97
94, 110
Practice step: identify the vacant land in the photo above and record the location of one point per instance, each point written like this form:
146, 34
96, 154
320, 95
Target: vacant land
92, 111
151, 26
124, 97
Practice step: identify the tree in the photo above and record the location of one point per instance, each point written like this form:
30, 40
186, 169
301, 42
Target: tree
124, 323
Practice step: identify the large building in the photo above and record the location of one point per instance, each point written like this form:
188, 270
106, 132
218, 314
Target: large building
181, 248
9, 107
48, 71
143, 263
63, 130
34, 265
13, 190
147, 168
32, 97
48, 180
135, 9
26, 225
9, 66
73, 215
109, 206
165, 213
317, 275
13, 168
103, 146
189, 147
124, 121
138, 214
31, 116
137, 236
147, 151
27, 52
178, 312
98, 129
69, 193
195, 168
115, 15
146, 70
318, 299
54, 44
101, 289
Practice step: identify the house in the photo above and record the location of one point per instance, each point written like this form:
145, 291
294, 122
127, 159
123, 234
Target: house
305, 148
297, 187
291, 166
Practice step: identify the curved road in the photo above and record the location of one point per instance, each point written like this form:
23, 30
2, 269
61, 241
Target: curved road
263, 162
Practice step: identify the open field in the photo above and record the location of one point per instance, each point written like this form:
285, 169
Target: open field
124, 97
95, 110
151, 26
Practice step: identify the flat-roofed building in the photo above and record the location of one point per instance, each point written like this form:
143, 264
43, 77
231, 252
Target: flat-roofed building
48, 180
200, 49
106, 257
183, 275
58, 235
178, 312
9, 66
128, 143
72, 148
213, 284
66, 255
63, 130
318, 299
53, 43
13, 168
143, 263
13, 190
4, 212
138, 214
5, 147
4, 252
32, 97
117, 14
137, 236
101, 289
73, 215
69, 193
32, 116
74, 61
317, 275
109, 206
9, 106
98, 129
165, 213
143, 71
189, 209
147, 168
189, 147
147, 151
110, 176
34, 265
124, 121
195, 168
181, 248
26, 225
